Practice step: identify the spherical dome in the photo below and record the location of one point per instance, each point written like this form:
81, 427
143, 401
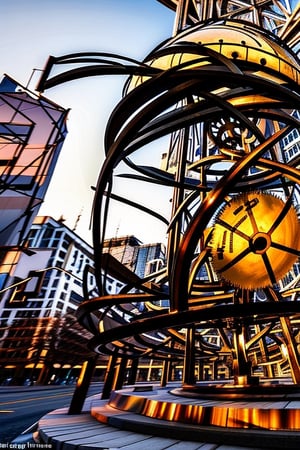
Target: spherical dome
246, 45
255, 240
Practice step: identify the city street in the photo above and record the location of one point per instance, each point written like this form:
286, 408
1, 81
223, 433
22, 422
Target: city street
21, 407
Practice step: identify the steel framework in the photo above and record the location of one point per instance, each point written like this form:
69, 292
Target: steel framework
225, 90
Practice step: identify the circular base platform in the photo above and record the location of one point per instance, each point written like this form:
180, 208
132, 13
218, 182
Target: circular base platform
263, 391
189, 405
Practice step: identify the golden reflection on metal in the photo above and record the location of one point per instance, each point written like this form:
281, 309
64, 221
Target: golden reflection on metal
237, 416
254, 242
82, 373
233, 40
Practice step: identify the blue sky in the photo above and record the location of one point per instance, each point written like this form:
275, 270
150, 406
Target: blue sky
34, 29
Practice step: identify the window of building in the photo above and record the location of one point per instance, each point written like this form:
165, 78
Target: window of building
32, 238
62, 254
76, 297
75, 254
47, 236
66, 243
55, 282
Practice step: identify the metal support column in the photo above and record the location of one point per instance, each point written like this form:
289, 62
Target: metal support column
165, 372
82, 386
110, 377
189, 360
292, 353
133, 371
120, 373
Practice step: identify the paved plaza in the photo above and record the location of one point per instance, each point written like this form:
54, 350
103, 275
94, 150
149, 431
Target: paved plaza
100, 426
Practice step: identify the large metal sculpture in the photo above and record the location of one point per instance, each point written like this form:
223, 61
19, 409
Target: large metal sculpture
226, 90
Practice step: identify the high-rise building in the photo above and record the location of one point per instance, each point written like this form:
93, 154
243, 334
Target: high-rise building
40, 337
291, 142
142, 259
32, 132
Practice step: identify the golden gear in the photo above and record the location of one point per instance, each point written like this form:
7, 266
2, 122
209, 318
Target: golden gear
256, 240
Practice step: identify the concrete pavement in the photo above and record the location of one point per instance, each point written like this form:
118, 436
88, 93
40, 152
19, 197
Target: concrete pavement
100, 426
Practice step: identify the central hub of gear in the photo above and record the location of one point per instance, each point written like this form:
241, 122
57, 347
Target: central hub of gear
256, 240
260, 243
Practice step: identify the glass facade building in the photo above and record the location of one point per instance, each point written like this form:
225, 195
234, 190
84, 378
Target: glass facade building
32, 132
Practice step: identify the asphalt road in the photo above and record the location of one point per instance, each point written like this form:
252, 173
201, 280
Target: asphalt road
21, 407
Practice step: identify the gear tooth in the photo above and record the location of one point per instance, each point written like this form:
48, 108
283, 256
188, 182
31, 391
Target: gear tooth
231, 239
